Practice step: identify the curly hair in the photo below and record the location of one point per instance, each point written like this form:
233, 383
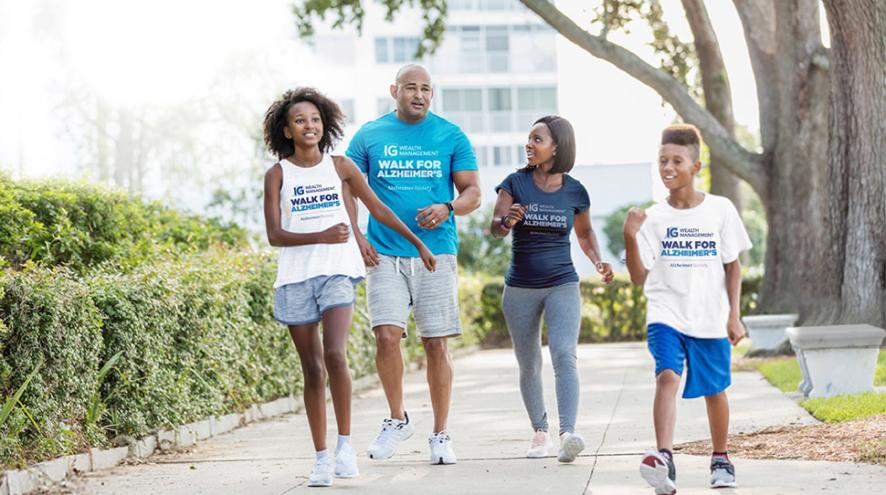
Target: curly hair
684, 135
277, 117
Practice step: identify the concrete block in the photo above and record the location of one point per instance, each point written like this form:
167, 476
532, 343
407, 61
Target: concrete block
165, 439
54, 471
106, 459
81, 463
185, 436
836, 359
19, 482
201, 429
767, 332
143, 447
225, 423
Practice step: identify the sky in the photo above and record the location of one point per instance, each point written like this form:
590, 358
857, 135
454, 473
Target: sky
163, 54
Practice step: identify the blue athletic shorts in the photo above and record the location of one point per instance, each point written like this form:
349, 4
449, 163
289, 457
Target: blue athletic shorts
707, 360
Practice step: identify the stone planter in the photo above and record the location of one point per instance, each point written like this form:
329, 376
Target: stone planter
837, 359
767, 332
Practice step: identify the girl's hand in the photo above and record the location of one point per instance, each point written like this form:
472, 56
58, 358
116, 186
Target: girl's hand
605, 271
336, 234
367, 251
428, 259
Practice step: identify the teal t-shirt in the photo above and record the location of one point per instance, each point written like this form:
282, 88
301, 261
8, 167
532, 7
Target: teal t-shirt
410, 166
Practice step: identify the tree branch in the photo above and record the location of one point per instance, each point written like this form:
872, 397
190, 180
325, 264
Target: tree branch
740, 161
758, 21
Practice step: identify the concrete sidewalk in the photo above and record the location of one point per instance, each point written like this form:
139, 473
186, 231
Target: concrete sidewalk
491, 431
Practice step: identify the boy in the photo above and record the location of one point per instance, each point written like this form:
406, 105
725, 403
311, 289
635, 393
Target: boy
685, 253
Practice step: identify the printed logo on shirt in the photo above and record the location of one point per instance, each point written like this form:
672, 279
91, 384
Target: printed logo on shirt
314, 197
409, 162
688, 243
545, 219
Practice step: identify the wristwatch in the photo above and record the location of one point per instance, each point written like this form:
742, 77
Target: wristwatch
449, 205
504, 222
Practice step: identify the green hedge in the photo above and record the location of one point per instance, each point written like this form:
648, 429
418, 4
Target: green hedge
191, 338
611, 312
82, 225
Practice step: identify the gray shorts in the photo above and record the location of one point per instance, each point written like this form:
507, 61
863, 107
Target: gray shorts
396, 284
305, 302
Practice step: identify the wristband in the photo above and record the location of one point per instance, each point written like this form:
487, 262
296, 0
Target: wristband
504, 222
449, 205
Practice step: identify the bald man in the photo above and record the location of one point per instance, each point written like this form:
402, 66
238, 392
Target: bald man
414, 161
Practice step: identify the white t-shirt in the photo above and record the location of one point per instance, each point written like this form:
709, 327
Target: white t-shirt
684, 251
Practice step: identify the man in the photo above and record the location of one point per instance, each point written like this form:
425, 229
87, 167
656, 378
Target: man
412, 159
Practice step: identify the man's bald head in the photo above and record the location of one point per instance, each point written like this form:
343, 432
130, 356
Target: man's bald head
409, 72
413, 92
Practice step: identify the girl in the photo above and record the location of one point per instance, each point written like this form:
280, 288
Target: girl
306, 194
541, 203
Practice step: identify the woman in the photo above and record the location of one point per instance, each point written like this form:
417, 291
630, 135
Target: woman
542, 204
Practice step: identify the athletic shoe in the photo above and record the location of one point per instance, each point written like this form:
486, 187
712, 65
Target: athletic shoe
539, 446
441, 449
659, 471
571, 444
722, 472
346, 462
393, 431
321, 474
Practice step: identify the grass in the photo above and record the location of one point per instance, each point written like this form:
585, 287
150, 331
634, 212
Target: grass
784, 373
846, 407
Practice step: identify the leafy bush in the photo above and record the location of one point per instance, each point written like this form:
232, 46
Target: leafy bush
82, 225
185, 339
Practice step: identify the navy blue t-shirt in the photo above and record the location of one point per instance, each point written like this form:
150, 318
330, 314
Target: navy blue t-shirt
540, 252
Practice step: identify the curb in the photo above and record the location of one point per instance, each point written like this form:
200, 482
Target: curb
49, 473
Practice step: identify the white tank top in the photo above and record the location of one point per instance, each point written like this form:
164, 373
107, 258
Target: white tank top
311, 201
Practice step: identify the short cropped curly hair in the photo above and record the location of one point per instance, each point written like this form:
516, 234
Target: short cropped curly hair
277, 116
684, 135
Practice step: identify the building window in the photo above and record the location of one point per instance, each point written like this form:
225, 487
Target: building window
396, 50
501, 156
474, 49
497, 109
384, 105
480, 153
347, 107
465, 108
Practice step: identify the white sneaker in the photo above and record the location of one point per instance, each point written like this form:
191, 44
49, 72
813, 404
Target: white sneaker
321, 474
658, 472
571, 444
441, 449
539, 446
346, 462
722, 473
393, 431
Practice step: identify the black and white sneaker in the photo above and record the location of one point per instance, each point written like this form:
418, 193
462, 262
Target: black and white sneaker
659, 471
722, 472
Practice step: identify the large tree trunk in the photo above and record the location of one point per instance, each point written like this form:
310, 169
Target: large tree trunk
717, 94
856, 154
800, 267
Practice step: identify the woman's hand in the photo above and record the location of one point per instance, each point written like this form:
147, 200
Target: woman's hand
515, 214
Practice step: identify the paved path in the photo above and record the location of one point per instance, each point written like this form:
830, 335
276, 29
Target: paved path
491, 431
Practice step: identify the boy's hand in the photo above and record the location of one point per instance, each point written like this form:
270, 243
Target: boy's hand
336, 234
605, 270
634, 220
735, 330
428, 259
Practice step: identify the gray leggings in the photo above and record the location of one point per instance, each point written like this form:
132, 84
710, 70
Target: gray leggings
561, 306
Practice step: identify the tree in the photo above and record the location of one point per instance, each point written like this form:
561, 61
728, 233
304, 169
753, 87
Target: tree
819, 174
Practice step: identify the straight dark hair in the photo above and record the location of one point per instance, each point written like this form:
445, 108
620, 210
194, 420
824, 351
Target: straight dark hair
564, 137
